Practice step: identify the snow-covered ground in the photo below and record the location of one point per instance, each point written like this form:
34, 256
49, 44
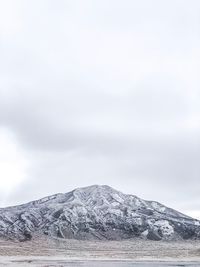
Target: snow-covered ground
45, 252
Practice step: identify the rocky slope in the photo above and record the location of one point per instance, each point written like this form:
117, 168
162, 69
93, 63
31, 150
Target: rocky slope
96, 212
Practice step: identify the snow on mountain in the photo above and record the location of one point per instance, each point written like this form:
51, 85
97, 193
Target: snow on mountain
96, 212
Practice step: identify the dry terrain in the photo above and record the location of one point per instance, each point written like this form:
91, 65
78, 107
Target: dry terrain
47, 252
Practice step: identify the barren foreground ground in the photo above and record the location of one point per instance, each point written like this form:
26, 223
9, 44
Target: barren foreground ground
45, 252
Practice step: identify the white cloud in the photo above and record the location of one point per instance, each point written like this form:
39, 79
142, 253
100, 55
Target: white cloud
13, 164
10, 18
101, 91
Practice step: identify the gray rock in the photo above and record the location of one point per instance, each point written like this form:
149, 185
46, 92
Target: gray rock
96, 212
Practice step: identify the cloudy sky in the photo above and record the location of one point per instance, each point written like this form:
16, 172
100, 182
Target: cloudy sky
100, 92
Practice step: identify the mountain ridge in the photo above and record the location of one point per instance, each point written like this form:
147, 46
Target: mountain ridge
96, 212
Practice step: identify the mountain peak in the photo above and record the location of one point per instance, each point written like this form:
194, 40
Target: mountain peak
97, 188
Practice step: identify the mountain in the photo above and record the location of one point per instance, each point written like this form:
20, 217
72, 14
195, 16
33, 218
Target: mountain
96, 212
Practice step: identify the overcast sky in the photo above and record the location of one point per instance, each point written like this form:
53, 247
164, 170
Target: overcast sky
100, 92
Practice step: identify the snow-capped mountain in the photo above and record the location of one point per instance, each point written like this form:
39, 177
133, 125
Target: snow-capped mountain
96, 212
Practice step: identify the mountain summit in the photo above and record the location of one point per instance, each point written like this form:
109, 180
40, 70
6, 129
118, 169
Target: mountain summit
96, 212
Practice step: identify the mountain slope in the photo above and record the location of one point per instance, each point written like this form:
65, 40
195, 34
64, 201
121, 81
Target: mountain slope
96, 212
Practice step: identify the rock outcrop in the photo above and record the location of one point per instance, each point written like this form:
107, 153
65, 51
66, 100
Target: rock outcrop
96, 212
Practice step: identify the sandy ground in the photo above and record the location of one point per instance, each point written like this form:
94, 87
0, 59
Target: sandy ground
47, 252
